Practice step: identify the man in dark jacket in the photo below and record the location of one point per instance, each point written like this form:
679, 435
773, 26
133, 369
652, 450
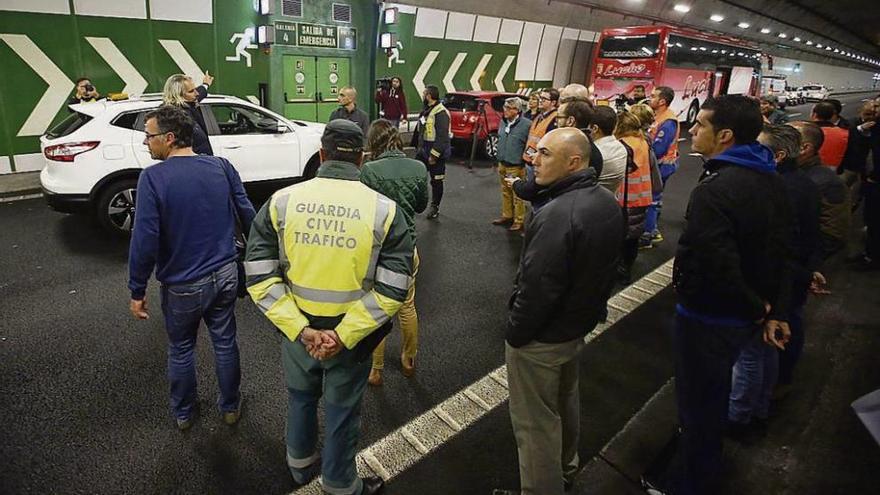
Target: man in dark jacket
755, 371
434, 144
348, 109
730, 275
864, 139
835, 216
565, 277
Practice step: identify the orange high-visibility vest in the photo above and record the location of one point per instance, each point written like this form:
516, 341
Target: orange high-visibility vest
536, 132
834, 146
672, 153
639, 188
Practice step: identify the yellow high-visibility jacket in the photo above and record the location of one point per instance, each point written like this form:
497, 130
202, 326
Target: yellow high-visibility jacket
329, 253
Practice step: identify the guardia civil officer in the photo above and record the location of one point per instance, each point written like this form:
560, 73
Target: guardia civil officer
329, 262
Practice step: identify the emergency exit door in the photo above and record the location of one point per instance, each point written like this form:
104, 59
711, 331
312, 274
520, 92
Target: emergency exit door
312, 84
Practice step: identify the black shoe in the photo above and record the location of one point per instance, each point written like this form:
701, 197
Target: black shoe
567, 485
433, 212
372, 486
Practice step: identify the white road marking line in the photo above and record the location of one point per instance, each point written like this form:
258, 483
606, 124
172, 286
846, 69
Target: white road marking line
20, 198
409, 444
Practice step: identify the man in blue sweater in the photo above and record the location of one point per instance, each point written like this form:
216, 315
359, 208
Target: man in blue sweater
184, 227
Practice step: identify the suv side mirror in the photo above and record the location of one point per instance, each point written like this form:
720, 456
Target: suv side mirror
271, 126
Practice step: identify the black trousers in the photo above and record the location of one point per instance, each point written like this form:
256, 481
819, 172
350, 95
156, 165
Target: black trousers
704, 358
437, 172
871, 191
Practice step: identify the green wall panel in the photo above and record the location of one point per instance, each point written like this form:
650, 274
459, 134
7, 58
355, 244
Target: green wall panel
416, 49
62, 38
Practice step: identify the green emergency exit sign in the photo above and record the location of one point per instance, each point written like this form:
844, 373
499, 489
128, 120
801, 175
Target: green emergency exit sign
315, 35
285, 33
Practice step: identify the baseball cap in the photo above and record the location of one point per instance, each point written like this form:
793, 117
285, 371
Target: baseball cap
342, 135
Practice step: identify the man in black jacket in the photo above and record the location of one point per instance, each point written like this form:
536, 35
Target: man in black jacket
730, 275
758, 366
565, 276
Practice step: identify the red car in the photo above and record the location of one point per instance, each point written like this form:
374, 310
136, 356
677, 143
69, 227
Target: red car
465, 108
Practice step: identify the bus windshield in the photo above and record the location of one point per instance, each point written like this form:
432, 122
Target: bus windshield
627, 47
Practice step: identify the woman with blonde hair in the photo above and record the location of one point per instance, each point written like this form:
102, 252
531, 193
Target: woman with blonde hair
533, 109
181, 91
405, 181
635, 191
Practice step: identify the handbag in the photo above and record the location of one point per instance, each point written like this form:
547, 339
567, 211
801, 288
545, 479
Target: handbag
240, 241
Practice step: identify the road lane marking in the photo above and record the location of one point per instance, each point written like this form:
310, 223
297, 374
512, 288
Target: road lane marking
406, 446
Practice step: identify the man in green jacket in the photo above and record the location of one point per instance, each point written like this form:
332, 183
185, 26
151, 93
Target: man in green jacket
405, 181
512, 137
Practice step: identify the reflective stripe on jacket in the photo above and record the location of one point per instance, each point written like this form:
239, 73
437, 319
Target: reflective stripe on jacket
540, 126
639, 181
329, 249
671, 155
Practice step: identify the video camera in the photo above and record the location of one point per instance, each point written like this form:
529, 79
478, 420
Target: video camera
89, 88
383, 83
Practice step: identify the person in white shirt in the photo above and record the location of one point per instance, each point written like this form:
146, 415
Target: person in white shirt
613, 151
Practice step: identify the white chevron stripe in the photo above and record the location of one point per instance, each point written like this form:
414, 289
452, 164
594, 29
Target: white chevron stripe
475, 77
134, 82
453, 69
499, 79
183, 59
59, 85
419, 77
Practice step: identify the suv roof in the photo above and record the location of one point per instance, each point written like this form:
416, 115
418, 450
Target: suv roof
145, 100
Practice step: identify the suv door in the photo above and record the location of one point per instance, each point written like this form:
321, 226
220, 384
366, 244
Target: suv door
258, 145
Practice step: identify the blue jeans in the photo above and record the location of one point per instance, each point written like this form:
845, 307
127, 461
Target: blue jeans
652, 216
754, 376
212, 299
704, 356
342, 381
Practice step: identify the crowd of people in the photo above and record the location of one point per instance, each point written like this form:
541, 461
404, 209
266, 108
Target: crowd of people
330, 262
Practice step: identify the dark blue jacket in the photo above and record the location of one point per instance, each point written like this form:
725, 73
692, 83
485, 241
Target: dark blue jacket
201, 143
734, 253
184, 222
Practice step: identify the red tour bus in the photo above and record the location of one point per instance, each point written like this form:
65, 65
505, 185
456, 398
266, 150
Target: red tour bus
696, 65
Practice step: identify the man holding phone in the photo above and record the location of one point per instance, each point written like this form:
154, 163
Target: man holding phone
85, 92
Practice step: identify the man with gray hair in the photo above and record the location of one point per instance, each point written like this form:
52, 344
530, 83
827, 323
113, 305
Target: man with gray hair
574, 92
512, 137
759, 364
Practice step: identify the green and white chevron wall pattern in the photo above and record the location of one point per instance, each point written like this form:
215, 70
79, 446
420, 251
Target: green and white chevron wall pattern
45, 45
466, 52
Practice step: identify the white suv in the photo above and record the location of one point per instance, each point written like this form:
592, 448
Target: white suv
815, 92
94, 157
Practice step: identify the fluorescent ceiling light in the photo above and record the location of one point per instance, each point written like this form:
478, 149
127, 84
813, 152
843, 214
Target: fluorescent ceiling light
765, 30
716, 18
797, 39
809, 43
783, 35
680, 7
818, 45
743, 25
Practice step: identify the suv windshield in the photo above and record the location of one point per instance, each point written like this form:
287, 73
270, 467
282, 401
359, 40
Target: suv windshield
460, 102
637, 46
69, 125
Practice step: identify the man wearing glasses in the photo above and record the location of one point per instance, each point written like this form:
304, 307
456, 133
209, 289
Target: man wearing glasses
184, 228
512, 138
543, 123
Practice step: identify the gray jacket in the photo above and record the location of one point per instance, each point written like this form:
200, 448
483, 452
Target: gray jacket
511, 144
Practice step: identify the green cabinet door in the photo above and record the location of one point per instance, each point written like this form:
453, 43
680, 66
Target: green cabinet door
334, 73
300, 88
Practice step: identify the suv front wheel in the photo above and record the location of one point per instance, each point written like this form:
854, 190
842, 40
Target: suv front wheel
116, 206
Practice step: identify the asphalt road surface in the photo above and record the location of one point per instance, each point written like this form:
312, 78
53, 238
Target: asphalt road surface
85, 397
